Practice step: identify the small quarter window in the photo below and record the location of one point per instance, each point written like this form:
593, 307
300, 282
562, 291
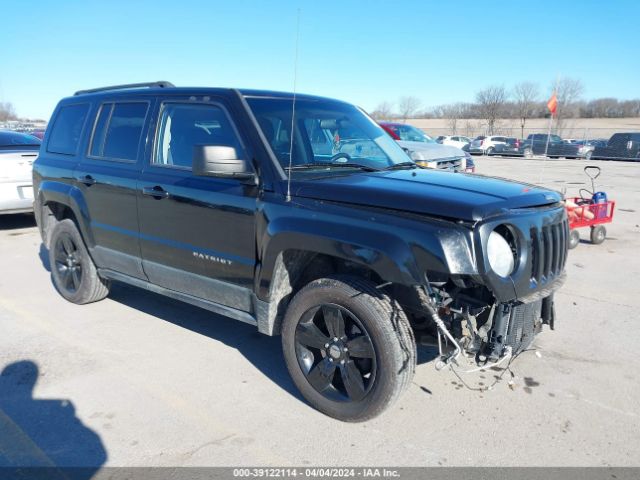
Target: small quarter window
67, 128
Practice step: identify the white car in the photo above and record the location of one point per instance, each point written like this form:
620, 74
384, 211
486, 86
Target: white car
482, 145
17, 153
454, 140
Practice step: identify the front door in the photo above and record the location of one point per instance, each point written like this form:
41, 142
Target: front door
197, 234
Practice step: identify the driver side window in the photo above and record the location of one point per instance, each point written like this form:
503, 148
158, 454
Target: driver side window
182, 126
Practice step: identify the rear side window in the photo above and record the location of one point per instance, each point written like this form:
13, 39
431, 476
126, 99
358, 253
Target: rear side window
67, 127
182, 126
118, 130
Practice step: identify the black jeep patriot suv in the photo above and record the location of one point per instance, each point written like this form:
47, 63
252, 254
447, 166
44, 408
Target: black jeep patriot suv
301, 216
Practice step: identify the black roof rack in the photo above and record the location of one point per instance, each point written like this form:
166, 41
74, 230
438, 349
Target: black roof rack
160, 84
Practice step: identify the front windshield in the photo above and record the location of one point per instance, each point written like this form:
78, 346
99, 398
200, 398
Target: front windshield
325, 132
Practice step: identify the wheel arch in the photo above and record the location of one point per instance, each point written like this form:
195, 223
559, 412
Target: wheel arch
292, 259
57, 201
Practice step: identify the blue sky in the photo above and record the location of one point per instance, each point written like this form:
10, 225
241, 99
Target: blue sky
365, 52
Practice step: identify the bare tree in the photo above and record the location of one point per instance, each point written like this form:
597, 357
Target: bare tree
469, 128
452, 113
408, 106
568, 92
7, 112
525, 95
490, 102
384, 111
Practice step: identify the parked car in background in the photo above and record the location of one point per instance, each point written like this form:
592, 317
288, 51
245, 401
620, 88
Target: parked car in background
483, 145
510, 148
454, 140
586, 147
621, 146
424, 150
536, 144
17, 153
38, 133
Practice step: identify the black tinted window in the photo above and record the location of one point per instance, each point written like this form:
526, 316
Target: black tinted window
183, 126
118, 130
66, 130
100, 130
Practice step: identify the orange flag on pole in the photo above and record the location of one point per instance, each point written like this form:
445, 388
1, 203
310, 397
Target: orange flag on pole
552, 104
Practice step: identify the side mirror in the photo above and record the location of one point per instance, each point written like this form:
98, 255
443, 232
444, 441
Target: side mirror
219, 161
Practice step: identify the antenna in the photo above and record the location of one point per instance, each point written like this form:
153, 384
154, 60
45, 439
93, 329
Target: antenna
293, 107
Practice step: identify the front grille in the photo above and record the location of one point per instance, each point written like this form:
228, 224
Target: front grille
451, 163
549, 247
522, 325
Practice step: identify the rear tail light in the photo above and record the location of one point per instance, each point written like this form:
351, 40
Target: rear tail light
481, 142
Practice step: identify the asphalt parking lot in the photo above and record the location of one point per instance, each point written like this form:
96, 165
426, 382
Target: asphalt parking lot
139, 379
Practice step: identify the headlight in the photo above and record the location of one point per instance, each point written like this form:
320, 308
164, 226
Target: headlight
500, 255
416, 156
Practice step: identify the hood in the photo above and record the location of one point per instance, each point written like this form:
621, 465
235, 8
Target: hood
430, 151
427, 191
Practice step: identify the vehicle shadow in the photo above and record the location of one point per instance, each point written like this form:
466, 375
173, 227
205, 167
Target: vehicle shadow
264, 352
46, 433
17, 221
43, 253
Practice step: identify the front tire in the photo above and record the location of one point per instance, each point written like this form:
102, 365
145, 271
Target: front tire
348, 347
598, 234
72, 270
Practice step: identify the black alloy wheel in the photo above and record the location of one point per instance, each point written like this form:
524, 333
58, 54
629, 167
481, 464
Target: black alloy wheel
73, 272
335, 353
348, 346
68, 263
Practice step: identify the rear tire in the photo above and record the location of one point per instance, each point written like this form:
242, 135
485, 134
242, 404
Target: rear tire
598, 234
349, 347
574, 239
72, 270
490, 151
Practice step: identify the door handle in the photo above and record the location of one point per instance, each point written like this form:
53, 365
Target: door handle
155, 192
87, 180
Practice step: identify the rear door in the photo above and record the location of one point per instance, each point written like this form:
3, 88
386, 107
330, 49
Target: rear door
197, 234
107, 176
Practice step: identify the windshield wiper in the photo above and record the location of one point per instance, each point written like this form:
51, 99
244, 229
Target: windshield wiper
398, 166
317, 165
